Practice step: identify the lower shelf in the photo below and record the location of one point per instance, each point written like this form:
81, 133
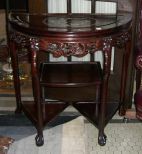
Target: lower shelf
91, 111
51, 110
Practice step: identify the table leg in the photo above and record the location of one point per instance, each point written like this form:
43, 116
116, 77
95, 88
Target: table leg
124, 74
102, 137
14, 60
36, 94
107, 64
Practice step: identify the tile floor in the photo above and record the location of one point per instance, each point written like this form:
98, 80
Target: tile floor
77, 136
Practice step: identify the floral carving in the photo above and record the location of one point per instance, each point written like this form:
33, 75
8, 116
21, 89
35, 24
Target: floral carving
63, 48
138, 62
19, 38
121, 39
78, 49
22, 43
107, 43
67, 49
107, 48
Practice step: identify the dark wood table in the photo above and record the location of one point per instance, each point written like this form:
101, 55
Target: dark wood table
70, 35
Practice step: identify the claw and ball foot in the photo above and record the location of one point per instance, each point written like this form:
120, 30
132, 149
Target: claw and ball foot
102, 140
39, 140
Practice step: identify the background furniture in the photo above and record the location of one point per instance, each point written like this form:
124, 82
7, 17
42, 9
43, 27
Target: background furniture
138, 65
6, 79
81, 84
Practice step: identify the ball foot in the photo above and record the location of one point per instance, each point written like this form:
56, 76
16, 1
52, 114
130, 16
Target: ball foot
39, 140
102, 140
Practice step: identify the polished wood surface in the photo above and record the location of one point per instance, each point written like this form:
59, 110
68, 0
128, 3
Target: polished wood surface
75, 25
83, 85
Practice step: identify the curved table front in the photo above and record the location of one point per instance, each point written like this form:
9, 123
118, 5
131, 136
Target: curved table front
71, 35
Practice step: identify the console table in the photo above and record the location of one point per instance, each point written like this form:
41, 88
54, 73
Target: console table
69, 35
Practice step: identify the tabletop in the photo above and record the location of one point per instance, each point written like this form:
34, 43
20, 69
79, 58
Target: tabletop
48, 24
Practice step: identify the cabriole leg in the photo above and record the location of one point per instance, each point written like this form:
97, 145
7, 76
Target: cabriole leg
14, 60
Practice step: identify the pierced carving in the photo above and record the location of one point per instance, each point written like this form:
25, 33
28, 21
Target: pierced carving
78, 49
66, 49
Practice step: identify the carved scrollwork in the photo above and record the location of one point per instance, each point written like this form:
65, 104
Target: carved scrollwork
34, 43
94, 46
58, 49
107, 43
138, 62
78, 49
67, 49
22, 43
121, 39
107, 48
19, 38
34, 46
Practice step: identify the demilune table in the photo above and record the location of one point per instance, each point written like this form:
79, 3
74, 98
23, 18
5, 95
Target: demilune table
69, 35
